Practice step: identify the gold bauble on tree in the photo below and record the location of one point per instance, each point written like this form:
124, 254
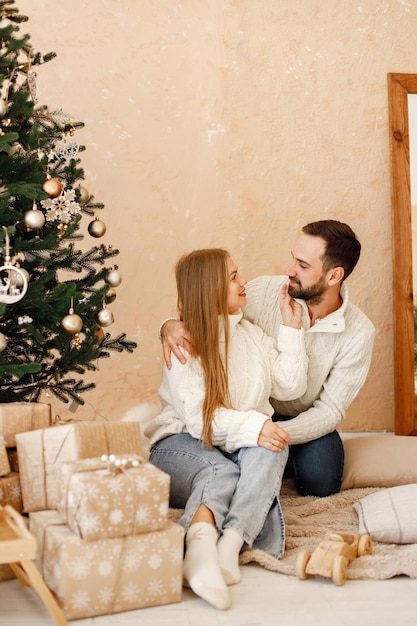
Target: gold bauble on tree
84, 195
21, 278
3, 107
72, 323
97, 228
110, 295
3, 342
113, 278
34, 219
104, 317
52, 186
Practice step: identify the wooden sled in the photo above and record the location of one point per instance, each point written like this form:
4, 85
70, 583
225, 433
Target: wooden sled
18, 548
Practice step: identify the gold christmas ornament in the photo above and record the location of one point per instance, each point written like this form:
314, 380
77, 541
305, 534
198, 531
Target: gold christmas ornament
5, 22
96, 228
72, 323
100, 335
3, 342
16, 148
22, 277
77, 341
113, 278
84, 195
52, 186
3, 107
110, 295
34, 219
104, 317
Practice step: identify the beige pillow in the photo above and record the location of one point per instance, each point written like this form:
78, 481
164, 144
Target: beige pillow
389, 515
379, 461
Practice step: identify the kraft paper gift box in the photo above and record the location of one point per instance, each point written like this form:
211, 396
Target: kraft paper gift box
4, 459
10, 491
19, 417
91, 578
13, 459
42, 451
111, 498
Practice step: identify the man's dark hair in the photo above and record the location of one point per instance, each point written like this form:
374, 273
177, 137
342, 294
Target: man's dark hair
343, 249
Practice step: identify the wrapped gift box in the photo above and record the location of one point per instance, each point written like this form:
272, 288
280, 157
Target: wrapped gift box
108, 576
4, 459
10, 491
18, 417
42, 451
13, 459
122, 496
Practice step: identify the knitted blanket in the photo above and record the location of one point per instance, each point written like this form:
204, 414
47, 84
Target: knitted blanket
308, 519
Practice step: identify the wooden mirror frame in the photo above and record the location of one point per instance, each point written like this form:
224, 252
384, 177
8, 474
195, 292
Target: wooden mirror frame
399, 86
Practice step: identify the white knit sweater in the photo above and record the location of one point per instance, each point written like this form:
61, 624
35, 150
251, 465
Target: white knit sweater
257, 370
339, 349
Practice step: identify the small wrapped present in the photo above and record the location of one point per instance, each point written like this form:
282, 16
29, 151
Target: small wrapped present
10, 491
4, 459
42, 451
91, 578
113, 496
19, 417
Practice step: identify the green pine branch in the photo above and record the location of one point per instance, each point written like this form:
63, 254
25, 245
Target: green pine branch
38, 353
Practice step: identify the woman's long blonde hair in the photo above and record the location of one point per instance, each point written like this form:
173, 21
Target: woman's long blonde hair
202, 286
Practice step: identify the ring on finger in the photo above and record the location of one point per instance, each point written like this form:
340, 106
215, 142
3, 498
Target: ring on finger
274, 442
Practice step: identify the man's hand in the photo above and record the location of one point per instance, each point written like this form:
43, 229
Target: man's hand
273, 437
291, 310
174, 334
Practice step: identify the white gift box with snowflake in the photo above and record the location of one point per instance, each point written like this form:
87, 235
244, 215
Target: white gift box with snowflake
91, 578
113, 496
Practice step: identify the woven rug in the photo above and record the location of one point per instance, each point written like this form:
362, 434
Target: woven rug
308, 519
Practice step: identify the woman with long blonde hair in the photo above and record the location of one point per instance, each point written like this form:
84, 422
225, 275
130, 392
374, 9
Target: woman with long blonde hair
215, 436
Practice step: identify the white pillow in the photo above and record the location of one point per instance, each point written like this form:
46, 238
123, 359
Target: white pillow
389, 515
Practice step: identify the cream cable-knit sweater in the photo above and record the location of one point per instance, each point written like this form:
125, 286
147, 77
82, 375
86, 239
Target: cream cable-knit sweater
257, 370
339, 349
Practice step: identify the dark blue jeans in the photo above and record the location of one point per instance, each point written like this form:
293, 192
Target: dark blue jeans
316, 466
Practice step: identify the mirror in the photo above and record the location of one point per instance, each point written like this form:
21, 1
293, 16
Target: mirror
399, 88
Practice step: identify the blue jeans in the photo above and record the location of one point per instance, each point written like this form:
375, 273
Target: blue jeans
316, 466
241, 489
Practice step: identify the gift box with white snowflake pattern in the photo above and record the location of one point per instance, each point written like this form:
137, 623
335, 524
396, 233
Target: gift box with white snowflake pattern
98, 500
91, 578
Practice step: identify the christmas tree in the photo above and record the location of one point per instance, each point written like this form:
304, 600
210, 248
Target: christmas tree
54, 296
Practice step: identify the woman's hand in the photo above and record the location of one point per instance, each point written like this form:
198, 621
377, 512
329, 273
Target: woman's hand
291, 310
273, 437
174, 334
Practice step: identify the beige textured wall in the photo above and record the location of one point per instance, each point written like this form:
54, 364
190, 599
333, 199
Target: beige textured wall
232, 123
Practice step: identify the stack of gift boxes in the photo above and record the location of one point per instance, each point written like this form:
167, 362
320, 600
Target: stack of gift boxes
16, 417
99, 512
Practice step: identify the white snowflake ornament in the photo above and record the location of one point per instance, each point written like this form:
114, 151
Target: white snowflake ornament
62, 208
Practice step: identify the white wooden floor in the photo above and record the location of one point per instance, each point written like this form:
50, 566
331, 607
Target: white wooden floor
261, 599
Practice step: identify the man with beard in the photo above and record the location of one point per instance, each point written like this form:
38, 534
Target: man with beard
339, 339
